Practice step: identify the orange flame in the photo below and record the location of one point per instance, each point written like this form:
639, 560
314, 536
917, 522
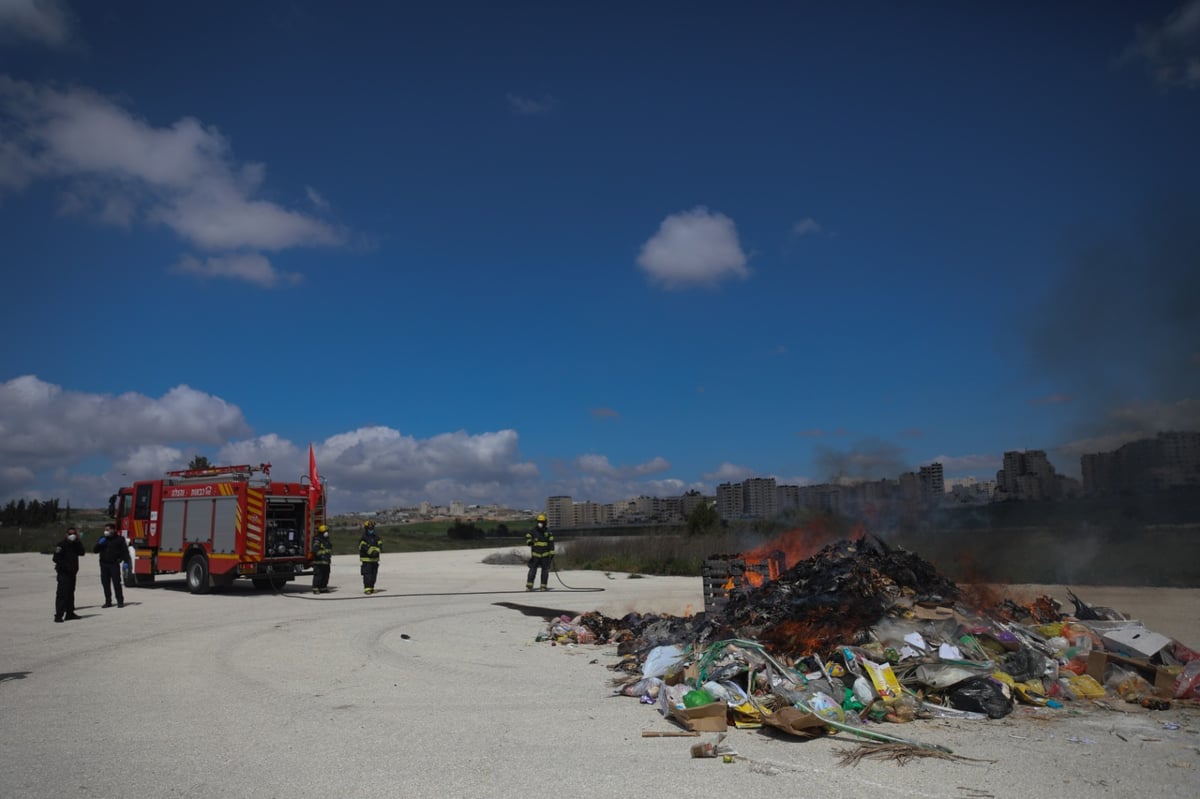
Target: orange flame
754, 578
796, 545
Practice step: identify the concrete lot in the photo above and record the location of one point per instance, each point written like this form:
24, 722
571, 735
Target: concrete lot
433, 688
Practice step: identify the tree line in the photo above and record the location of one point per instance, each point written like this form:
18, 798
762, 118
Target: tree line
33, 513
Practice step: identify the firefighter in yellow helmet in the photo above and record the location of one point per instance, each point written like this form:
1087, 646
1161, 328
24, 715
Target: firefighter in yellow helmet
541, 552
322, 560
369, 549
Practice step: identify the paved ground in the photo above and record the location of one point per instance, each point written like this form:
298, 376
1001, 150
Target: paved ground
436, 688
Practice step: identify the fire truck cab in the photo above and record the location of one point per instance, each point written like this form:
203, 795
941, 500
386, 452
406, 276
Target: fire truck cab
219, 524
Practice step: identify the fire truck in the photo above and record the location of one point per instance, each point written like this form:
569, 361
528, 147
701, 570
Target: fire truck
219, 524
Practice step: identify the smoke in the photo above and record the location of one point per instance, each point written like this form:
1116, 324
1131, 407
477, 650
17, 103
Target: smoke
1120, 332
867, 460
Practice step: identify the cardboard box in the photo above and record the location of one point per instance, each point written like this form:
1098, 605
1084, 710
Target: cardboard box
1134, 641
705, 718
689, 674
1162, 680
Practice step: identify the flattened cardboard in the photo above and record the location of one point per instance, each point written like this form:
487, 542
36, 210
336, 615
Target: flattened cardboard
796, 722
705, 718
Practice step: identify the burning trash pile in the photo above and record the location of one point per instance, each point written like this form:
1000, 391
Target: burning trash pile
862, 634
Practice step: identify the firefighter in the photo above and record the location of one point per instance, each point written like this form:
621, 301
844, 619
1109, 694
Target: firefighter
541, 552
369, 548
322, 560
66, 565
114, 552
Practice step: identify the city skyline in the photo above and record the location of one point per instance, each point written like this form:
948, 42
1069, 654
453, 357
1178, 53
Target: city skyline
490, 254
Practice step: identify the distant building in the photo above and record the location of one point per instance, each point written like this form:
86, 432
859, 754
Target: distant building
758, 497
970, 491
560, 512
730, 501
689, 500
933, 483
1169, 460
1027, 475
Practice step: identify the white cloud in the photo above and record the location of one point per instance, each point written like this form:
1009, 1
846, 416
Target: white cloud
599, 465
150, 460
81, 446
1171, 49
374, 463
729, 473
595, 464
42, 425
47, 22
120, 168
693, 248
652, 466
806, 226
528, 107
269, 448
248, 267
316, 199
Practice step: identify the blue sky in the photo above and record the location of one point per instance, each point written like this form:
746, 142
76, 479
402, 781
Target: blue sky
495, 252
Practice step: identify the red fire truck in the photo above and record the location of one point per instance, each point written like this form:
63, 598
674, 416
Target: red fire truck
218, 524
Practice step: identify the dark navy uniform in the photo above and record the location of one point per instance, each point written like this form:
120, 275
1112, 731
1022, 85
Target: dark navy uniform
66, 565
114, 552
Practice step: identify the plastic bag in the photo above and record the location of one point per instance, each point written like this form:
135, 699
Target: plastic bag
1024, 664
1129, 685
981, 695
1187, 684
1084, 686
670, 697
661, 659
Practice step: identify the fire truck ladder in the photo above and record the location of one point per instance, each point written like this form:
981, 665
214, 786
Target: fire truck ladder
218, 474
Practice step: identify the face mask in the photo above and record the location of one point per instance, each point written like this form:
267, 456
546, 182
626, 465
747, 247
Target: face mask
72, 537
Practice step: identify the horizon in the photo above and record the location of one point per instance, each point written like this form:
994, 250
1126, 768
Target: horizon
494, 255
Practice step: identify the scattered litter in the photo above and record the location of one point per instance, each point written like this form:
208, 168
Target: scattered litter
862, 636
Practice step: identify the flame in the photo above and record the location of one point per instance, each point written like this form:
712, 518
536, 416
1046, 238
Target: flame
796, 545
754, 578
729, 584
799, 639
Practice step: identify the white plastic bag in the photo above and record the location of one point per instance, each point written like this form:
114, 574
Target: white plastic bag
661, 659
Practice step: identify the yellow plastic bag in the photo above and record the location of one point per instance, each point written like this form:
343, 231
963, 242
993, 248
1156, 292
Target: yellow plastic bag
1085, 686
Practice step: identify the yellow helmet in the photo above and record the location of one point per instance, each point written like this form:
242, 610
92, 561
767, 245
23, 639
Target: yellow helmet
541, 517
369, 524
322, 529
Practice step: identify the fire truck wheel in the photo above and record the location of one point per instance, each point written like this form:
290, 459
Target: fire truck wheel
197, 574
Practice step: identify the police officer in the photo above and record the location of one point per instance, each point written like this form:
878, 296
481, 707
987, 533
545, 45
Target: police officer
67, 553
113, 551
369, 548
322, 560
541, 552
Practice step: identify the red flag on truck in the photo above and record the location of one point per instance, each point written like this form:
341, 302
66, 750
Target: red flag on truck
314, 479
